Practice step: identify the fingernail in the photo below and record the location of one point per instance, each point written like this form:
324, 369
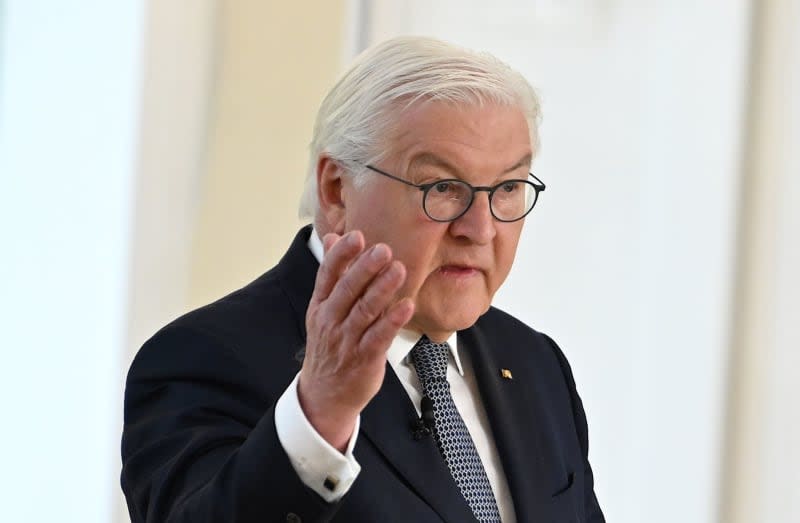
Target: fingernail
379, 252
351, 237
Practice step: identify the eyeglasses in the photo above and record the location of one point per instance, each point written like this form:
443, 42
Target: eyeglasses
448, 200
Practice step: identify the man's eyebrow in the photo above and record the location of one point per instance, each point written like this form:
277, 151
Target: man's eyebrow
432, 160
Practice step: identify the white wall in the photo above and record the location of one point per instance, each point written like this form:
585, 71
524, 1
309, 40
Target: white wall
628, 258
68, 117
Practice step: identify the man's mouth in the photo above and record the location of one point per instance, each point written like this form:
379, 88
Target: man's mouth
459, 270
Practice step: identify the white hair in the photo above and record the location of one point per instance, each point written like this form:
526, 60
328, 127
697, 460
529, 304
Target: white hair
356, 115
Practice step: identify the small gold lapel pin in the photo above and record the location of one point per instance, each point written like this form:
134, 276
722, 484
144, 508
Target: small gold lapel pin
506, 373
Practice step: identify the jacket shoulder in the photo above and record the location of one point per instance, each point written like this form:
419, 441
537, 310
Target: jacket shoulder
507, 328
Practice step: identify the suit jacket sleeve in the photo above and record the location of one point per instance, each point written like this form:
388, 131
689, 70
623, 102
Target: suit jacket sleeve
593, 512
199, 441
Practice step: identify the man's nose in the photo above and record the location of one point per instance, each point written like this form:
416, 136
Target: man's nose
477, 223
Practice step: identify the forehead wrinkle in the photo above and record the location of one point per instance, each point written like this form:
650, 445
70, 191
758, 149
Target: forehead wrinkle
427, 159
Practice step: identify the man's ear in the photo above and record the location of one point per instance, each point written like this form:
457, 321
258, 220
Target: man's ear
330, 194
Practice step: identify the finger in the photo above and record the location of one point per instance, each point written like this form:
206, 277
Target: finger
329, 240
380, 334
340, 254
353, 283
378, 295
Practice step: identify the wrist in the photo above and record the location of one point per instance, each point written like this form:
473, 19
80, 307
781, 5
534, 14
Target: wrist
332, 421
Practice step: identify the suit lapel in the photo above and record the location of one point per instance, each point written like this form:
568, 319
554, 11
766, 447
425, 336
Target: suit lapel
297, 272
386, 422
517, 418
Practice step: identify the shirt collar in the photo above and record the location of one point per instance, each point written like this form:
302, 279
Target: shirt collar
315, 245
398, 353
406, 338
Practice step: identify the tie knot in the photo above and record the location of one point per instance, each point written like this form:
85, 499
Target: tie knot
430, 359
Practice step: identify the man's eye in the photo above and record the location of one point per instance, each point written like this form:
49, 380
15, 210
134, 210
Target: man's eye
443, 187
509, 187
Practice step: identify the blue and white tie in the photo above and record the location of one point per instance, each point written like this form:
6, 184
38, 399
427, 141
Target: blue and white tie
450, 432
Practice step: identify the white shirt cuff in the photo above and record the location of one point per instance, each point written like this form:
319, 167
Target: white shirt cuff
320, 466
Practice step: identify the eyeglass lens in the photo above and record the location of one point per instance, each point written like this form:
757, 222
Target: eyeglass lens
509, 201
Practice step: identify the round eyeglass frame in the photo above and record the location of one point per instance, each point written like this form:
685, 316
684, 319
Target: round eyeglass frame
538, 186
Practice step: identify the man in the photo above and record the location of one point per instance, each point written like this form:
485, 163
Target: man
366, 378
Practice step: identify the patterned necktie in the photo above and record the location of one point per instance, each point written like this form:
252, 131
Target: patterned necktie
450, 432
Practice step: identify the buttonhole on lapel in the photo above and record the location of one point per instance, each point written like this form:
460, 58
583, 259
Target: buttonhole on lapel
506, 374
570, 481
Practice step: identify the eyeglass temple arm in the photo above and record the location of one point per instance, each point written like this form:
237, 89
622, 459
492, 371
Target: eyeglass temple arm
541, 185
371, 168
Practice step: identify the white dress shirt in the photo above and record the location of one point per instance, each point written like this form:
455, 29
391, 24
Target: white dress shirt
330, 473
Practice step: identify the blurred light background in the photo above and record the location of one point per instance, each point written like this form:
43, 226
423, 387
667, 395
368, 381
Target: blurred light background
152, 153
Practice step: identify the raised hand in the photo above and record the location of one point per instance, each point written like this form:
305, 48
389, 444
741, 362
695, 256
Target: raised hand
351, 320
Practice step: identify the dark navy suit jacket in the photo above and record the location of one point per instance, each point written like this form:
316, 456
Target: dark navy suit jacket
199, 441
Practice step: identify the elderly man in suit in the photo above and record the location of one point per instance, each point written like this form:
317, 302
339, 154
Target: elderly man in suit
366, 377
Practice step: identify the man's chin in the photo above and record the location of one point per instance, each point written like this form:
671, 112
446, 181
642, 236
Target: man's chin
446, 322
